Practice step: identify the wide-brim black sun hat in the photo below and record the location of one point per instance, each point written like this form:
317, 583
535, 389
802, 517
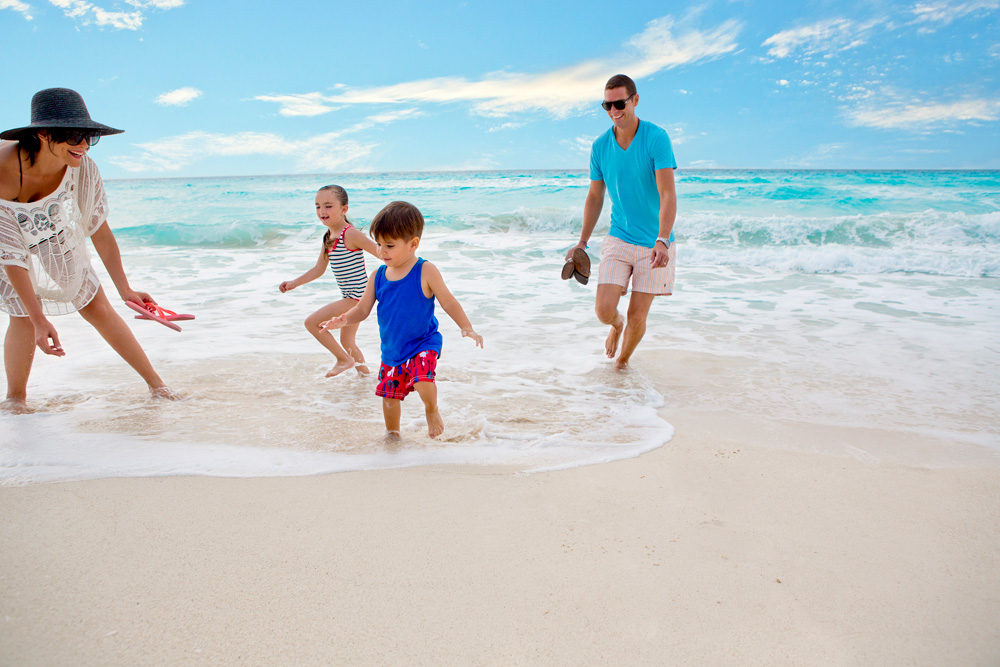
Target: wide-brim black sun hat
62, 108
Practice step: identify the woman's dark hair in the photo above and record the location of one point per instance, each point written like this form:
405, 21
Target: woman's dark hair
30, 143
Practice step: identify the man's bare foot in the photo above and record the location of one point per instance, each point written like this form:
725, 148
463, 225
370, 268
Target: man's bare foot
166, 393
340, 367
611, 344
435, 424
15, 406
362, 368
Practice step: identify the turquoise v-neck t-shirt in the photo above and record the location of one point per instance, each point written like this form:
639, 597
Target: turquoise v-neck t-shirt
630, 177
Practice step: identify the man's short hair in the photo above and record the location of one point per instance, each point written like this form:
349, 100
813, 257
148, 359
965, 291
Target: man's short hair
621, 81
398, 220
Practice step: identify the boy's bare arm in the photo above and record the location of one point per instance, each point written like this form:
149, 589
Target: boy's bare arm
434, 281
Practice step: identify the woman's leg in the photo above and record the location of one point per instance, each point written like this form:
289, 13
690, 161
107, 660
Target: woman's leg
326, 339
18, 355
101, 315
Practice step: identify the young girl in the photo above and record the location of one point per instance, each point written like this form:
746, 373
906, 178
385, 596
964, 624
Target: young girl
343, 249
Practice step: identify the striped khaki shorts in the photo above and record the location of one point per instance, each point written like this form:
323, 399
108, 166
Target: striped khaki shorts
621, 262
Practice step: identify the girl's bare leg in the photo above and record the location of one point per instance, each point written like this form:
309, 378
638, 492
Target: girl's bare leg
348, 340
326, 339
101, 315
18, 354
428, 394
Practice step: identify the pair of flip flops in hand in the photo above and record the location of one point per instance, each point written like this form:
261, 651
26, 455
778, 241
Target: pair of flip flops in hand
150, 311
577, 266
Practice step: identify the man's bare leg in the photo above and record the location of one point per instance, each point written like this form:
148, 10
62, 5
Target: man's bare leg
635, 327
606, 307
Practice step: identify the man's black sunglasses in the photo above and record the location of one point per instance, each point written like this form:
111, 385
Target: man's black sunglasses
618, 104
74, 137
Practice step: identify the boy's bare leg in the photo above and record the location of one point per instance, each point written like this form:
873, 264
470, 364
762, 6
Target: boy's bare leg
428, 394
326, 339
391, 409
18, 354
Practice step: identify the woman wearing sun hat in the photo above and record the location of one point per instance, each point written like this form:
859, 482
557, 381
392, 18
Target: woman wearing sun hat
51, 199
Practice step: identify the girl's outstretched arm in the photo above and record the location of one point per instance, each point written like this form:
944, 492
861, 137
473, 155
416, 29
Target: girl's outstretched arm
357, 314
309, 276
433, 284
357, 239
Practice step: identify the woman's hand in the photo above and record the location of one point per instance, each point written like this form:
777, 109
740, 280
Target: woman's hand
47, 339
140, 298
287, 286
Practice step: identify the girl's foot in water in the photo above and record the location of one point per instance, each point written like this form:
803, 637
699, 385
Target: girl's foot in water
342, 365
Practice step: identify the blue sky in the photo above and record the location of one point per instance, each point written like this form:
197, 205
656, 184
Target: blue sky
207, 88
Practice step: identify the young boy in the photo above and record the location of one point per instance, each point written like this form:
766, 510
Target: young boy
405, 289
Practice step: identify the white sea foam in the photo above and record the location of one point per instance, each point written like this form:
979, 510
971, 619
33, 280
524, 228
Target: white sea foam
830, 331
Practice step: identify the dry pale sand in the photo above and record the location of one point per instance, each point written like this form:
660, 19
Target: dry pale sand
713, 550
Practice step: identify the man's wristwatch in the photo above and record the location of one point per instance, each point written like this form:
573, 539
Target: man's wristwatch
664, 241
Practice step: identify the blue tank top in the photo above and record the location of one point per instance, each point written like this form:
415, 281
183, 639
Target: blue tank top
406, 321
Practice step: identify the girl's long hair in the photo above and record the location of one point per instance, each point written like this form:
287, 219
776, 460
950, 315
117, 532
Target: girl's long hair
341, 195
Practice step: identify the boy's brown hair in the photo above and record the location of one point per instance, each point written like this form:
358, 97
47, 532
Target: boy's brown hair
398, 220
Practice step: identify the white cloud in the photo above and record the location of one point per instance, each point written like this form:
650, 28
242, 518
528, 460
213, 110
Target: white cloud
88, 13
581, 145
829, 35
921, 115
324, 152
178, 98
944, 12
17, 6
560, 92
505, 126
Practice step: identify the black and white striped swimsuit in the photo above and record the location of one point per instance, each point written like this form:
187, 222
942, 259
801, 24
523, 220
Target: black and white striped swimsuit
348, 268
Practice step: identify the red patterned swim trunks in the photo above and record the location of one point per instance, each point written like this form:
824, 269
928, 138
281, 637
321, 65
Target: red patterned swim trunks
397, 381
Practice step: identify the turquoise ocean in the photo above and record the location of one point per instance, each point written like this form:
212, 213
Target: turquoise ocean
853, 299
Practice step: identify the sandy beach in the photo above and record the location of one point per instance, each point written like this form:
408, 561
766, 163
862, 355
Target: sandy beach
731, 545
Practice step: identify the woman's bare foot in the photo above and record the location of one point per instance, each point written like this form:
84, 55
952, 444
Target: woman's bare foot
611, 344
15, 406
392, 438
166, 393
340, 367
362, 368
435, 424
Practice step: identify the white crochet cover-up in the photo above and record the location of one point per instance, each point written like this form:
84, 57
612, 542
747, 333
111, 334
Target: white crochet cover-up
48, 238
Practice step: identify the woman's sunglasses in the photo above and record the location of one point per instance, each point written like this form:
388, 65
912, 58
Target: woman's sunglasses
74, 137
618, 104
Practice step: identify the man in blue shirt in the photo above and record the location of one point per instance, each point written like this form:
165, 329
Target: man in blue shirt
634, 163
